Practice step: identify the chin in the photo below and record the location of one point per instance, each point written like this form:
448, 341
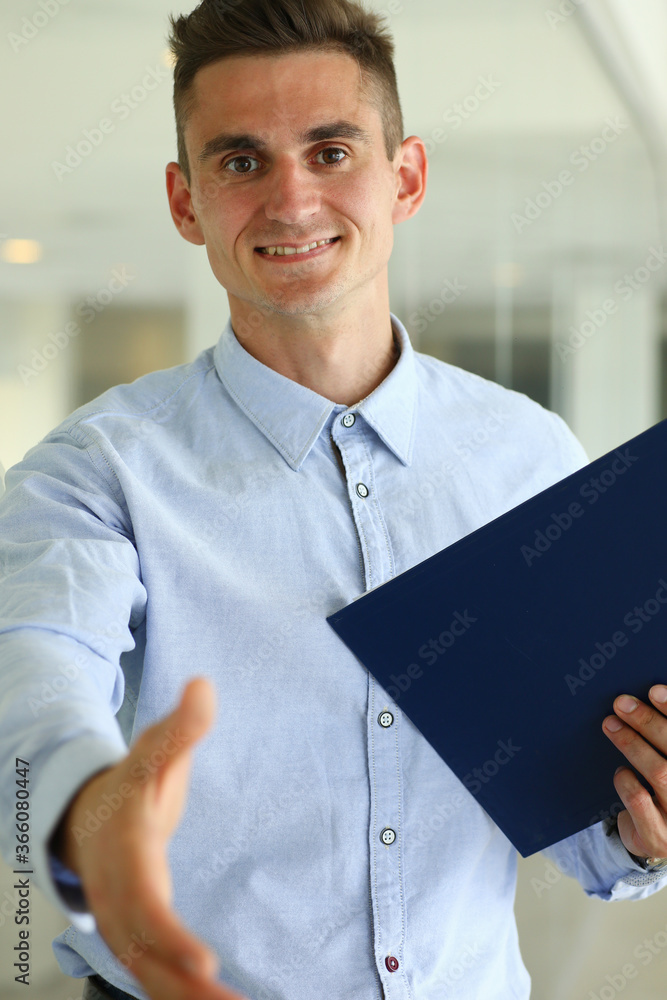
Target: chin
300, 303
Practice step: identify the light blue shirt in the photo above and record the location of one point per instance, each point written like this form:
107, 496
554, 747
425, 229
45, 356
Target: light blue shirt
198, 522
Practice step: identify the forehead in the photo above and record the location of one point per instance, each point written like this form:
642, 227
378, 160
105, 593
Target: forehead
274, 95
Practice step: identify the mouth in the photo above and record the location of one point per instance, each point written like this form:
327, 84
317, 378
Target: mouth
292, 252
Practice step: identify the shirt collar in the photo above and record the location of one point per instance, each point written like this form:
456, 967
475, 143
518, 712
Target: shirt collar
292, 416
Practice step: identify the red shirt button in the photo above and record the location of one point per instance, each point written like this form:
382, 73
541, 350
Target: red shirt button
391, 963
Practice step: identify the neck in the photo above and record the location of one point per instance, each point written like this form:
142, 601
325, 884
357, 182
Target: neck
342, 357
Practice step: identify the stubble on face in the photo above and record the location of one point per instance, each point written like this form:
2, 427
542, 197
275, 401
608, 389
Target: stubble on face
278, 98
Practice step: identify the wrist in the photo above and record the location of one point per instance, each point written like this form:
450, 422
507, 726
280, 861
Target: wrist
646, 862
63, 844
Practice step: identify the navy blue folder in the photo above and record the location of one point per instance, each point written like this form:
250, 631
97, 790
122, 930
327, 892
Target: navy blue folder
506, 649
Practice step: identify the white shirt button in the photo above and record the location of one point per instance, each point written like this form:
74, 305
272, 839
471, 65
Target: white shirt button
385, 719
349, 419
362, 490
387, 836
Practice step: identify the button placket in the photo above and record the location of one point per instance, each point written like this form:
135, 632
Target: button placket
387, 891
356, 443
369, 521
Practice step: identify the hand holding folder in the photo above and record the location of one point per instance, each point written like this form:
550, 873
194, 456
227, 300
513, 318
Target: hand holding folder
509, 648
640, 733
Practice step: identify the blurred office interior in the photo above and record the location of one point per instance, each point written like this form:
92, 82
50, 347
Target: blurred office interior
538, 261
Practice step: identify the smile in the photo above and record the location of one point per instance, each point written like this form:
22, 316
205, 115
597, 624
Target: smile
291, 251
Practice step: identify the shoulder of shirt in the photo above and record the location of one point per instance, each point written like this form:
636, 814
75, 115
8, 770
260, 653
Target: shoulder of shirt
475, 392
148, 396
467, 383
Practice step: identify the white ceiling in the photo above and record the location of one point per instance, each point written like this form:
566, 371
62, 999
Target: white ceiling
112, 209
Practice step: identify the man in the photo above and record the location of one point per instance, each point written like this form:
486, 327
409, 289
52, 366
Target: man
197, 527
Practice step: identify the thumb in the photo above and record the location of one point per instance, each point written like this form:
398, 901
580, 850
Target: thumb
177, 732
196, 711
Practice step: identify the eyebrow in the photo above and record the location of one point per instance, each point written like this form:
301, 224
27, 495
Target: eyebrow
226, 142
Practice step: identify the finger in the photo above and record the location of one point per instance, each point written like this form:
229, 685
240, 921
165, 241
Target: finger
132, 905
643, 757
164, 983
189, 721
642, 829
198, 706
658, 695
163, 751
651, 724
153, 936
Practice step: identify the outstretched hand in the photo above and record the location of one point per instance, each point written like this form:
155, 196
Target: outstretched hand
123, 865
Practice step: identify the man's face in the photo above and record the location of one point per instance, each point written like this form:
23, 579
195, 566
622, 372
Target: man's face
286, 151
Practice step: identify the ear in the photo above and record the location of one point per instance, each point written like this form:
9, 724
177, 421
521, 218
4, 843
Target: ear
180, 203
411, 166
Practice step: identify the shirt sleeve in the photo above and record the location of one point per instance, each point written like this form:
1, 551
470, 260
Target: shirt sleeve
571, 453
602, 865
71, 599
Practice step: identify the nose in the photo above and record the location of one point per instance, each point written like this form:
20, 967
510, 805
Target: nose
293, 193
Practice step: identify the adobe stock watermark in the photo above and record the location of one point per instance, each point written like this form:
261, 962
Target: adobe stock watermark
31, 26
581, 158
550, 877
611, 813
393, 7
137, 946
50, 691
142, 771
483, 434
279, 642
645, 952
479, 776
438, 478
590, 491
121, 109
281, 980
9, 906
441, 815
454, 973
239, 841
564, 10
431, 652
450, 292
458, 114
634, 621
624, 288
88, 310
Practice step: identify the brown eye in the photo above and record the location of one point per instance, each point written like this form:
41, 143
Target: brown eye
243, 164
333, 156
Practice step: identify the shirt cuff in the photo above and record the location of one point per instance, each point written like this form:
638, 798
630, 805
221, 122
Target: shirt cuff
66, 771
640, 876
68, 885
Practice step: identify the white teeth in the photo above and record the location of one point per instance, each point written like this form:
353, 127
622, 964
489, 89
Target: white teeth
288, 251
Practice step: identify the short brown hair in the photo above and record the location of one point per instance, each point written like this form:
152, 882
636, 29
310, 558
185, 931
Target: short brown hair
220, 28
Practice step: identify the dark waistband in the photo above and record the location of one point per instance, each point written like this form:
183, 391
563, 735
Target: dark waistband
108, 990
